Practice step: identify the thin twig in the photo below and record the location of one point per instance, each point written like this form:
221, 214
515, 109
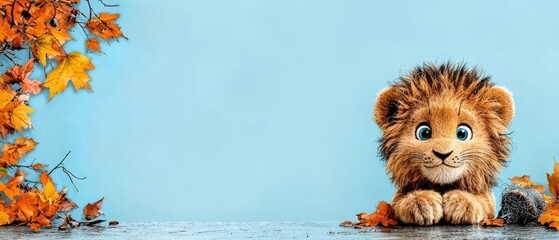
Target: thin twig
68, 173
6, 55
108, 5
13, 20
90, 8
58, 165
83, 29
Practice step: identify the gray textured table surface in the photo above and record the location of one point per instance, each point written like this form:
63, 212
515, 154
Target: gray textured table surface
277, 230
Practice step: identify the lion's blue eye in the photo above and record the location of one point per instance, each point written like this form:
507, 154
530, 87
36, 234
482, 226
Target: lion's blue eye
464, 133
423, 132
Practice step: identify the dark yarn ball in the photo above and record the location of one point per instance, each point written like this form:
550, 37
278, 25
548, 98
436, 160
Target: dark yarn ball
521, 205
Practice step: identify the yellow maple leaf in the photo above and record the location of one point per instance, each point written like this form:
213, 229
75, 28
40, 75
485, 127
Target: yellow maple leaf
72, 68
5, 98
20, 117
45, 46
61, 35
49, 193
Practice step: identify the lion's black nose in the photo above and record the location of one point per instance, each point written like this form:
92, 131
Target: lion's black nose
442, 156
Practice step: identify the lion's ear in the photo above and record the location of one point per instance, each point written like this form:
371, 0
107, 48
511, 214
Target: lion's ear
505, 106
386, 107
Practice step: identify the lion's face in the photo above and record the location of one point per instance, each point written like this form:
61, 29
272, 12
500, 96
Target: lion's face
443, 142
444, 127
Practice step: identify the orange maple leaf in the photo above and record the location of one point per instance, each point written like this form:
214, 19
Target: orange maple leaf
44, 178
11, 153
554, 225
92, 44
19, 73
493, 222
38, 166
550, 215
104, 26
525, 181
4, 218
11, 187
383, 215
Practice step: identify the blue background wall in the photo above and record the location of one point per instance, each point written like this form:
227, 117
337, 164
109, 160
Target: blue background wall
262, 110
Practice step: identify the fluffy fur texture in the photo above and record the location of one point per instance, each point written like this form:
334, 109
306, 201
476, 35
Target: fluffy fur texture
444, 177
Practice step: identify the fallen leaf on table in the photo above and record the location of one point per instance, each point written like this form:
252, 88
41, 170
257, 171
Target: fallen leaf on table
495, 222
92, 210
554, 225
383, 216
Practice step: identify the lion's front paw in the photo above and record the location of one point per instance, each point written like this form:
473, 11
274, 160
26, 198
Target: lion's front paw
422, 207
461, 207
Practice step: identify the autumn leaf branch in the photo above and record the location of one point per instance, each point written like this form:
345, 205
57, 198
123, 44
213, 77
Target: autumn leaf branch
42, 27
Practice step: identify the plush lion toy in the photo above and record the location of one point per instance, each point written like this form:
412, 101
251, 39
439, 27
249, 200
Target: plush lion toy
444, 142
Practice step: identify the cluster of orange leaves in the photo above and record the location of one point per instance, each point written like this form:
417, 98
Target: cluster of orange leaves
31, 205
550, 216
42, 27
